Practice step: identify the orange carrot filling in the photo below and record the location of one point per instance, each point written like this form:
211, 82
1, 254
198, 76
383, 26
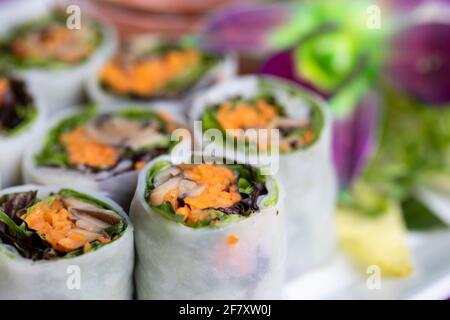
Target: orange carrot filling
232, 239
57, 42
220, 191
147, 76
82, 150
246, 115
52, 222
4, 87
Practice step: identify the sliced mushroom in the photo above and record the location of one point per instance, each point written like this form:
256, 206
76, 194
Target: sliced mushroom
78, 207
90, 225
166, 175
86, 221
146, 137
189, 188
113, 130
157, 195
90, 236
289, 123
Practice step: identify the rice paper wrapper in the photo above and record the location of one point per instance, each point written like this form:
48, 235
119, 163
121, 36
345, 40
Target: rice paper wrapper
120, 187
59, 88
224, 70
13, 147
178, 262
105, 273
307, 175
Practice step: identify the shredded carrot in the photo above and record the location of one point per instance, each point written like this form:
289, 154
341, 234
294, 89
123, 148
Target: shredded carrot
220, 191
232, 239
56, 42
52, 222
308, 137
244, 115
139, 165
83, 150
172, 197
4, 87
146, 76
87, 247
171, 125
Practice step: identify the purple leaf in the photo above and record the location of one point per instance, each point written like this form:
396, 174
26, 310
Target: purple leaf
354, 139
282, 64
400, 6
419, 63
243, 28
353, 136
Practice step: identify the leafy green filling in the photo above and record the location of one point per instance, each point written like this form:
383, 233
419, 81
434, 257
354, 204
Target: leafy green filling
14, 231
54, 152
179, 85
57, 18
251, 185
210, 121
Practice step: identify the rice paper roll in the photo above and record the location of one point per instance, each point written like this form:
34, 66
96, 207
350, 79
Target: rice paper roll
63, 244
21, 118
304, 163
145, 69
56, 60
207, 231
100, 150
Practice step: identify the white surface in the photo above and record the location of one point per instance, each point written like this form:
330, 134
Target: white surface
339, 279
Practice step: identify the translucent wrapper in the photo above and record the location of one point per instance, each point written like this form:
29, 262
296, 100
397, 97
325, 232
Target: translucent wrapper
105, 273
120, 187
175, 261
60, 87
307, 175
224, 70
12, 148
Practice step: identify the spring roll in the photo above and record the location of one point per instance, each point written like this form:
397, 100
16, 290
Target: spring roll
63, 244
21, 117
207, 231
100, 150
304, 164
54, 59
147, 68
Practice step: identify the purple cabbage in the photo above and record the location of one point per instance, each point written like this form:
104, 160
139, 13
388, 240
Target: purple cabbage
243, 29
400, 6
354, 139
354, 136
419, 62
282, 64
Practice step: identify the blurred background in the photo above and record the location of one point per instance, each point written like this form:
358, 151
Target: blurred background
383, 66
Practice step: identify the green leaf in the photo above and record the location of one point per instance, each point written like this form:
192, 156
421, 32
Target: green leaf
116, 230
15, 231
209, 120
54, 153
419, 217
153, 172
28, 114
245, 186
167, 212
